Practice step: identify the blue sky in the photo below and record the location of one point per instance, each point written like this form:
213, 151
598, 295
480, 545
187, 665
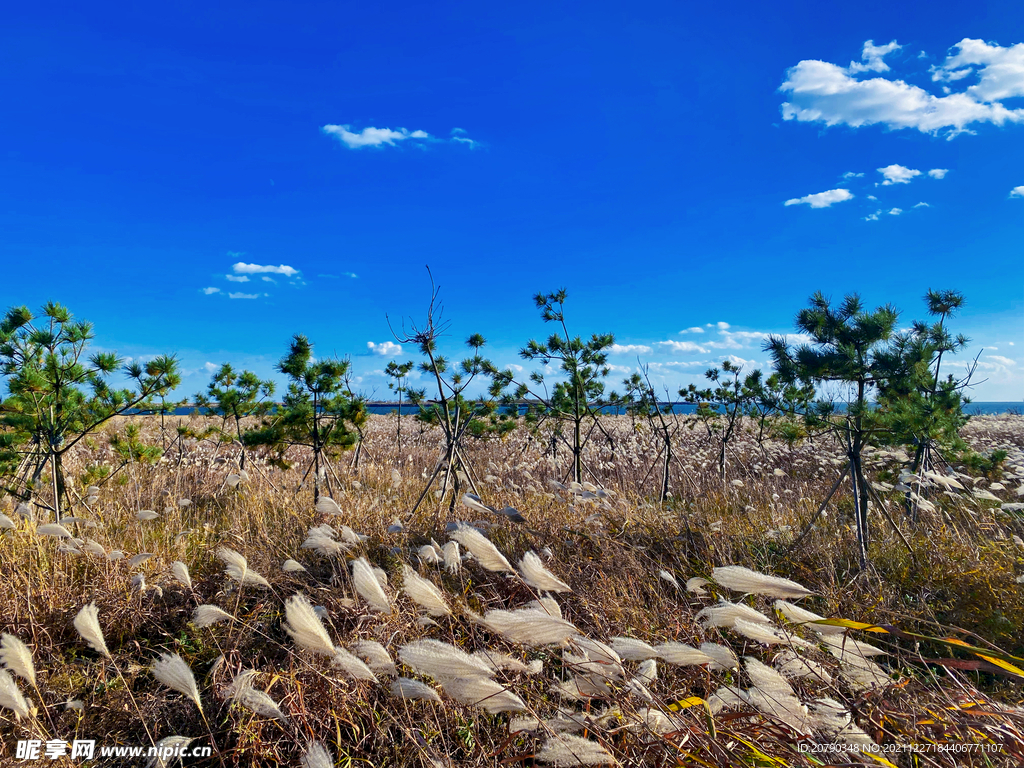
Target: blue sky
674, 166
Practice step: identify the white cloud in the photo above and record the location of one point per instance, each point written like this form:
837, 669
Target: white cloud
922, 205
252, 269
851, 175
1000, 70
822, 199
629, 349
680, 346
464, 140
1002, 360
353, 275
244, 295
872, 216
1017, 191
722, 326
210, 367
819, 91
371, 137
694, 329
872, 56
938, 173
385, 348
619, 368
897, 174
269, 280
237, 278
895, 211
872, 197
209, 291
738, 360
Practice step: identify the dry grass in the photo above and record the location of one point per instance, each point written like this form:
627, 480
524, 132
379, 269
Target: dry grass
959, 581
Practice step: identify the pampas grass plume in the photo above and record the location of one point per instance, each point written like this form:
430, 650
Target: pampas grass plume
172, 670
88, 625
565, 749
441, 660
533, 572
352, 666
180, 571
305, 627
424, 592
368, 587
11, 698
208, 615
740, 579
317, 756
407, 688
481, 548
17, 657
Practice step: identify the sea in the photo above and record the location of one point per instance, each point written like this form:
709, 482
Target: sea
1015, 407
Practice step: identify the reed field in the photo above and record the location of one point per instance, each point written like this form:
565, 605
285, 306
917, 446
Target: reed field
605, 628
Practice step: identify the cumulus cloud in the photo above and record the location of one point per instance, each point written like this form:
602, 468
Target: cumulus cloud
211, 290
237, 278
872, 216
1002, 360
922, 205
1017, 191
385, 348
822, 199
694, 329
629, 349
851, 175
372, 137
895, 211
818, 91
897, 174
241, 268
938, 173
872, 57
244, 295
680, 346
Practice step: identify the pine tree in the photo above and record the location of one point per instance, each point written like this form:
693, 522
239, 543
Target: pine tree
58, 394
315, 413
233, 397
848, 348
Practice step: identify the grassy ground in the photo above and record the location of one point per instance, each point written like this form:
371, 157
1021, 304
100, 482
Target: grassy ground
956, 580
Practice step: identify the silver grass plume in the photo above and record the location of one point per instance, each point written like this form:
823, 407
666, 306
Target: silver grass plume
242, 692
325, 505
797, 615
139, 559
564, 749
610, 663
368, 587
316, 756
696, 585
723, 656
54, 529
843, 647
292, 566
727, 697
724, 614
180, 571
321, 539
88, 625
441, 660
632, 649
765, 678
546, 604
424, 592
352, 666
452, 559
483, 692
740, 579
533, 572
428, 555
791, 664
681, 655
208, 615
11, 698
237, 567
529, 627
172, 670
6, 523
17, 657
305, 627
481, 548
497, 660
668, 578
376, 656
767, 634
407, 688
647, 672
